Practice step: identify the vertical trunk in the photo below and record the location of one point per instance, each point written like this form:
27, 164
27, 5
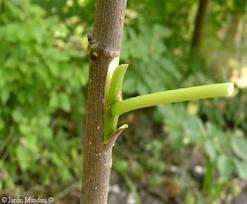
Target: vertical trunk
104, 46
234, 30
199, 25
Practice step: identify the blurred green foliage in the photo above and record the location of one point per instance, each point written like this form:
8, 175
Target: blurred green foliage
43, 78
147, 56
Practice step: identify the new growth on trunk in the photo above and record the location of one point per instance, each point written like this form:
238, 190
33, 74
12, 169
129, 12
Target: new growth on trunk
104, 48
105, 103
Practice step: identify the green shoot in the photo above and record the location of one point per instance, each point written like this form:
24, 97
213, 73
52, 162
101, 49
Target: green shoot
113, 95
172, 96
115, 106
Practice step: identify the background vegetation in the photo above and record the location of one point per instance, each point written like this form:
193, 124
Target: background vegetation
182, 153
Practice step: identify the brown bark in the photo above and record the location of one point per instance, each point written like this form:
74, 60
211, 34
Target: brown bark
104, 46
199, 25
234, 30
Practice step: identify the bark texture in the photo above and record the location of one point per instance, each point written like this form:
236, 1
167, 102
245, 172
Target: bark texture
199, 25
104, 46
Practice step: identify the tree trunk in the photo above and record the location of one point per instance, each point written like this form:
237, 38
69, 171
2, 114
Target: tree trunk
104, 46
235, 30
199, 25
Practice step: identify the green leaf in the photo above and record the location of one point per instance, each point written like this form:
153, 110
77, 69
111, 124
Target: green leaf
121, 165
239, 146
2, 124
25, 129
210, 150
84, 75
64, 102
225, 166
24, 157
54, 100
17, 115
241, 169
162, 31
4, 95
53, 67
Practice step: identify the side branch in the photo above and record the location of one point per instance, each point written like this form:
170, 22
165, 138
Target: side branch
172, 96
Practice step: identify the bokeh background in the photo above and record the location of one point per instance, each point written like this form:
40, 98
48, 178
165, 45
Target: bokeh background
186, 153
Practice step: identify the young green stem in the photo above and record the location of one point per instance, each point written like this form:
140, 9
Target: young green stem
114, 94
115, 88
172, 96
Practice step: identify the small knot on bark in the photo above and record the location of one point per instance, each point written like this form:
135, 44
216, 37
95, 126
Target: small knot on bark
92, 46
90, 37
95, 49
